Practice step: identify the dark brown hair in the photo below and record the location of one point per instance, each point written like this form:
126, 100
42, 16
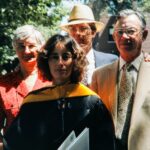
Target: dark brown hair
80, 61
92, 26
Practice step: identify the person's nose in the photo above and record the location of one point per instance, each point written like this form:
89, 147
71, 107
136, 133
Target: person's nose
78, 31
125, 35
60, 60
27, 49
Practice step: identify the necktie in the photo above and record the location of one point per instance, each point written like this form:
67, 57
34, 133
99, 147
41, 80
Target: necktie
85, 79
124, 103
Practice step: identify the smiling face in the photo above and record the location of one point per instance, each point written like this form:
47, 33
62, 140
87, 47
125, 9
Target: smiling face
60, 65
26, 51
129, 35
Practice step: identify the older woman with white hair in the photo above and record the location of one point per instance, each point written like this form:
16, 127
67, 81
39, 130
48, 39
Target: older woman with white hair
15, 86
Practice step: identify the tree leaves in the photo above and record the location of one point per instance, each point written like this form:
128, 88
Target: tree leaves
14, 13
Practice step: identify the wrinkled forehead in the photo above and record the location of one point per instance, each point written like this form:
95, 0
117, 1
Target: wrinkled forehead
29, 40
129, 22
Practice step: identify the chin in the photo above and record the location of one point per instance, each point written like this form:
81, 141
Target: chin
126, 48
32, 63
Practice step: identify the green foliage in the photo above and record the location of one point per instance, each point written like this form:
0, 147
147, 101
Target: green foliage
44, 14
146, 5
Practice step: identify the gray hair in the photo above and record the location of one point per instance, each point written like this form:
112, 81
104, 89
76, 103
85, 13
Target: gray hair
26, 31
128, 12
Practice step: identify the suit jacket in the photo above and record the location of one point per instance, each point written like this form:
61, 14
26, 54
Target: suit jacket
103, 58
105, 83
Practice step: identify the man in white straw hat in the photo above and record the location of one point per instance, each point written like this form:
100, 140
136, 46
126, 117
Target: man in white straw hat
83, 28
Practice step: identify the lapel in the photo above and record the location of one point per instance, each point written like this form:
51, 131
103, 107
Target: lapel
100, 58
113, 89
96, 59
142, 89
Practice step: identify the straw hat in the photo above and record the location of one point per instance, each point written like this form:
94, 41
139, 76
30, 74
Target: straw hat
82, 14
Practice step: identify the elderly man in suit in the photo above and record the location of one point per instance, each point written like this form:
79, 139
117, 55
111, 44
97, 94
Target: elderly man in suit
83, 28
124, 84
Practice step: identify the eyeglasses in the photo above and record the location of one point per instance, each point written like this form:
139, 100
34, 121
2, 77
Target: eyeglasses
64, 56
80, 29
128, 31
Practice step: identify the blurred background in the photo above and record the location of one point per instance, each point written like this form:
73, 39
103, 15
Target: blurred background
47, 16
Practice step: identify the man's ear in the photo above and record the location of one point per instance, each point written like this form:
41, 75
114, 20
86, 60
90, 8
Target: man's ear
144, 34
94, 34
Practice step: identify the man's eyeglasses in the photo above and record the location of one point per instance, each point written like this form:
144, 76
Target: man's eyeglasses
128, 31
80, 29
64, 56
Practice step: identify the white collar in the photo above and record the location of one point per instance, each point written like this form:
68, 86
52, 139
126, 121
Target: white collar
136, 62
90, 55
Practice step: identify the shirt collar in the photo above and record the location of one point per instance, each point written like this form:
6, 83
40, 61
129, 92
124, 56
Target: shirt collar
90, 55
136, 62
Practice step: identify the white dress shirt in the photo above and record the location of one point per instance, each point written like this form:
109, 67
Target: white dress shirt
91, 66
134, 71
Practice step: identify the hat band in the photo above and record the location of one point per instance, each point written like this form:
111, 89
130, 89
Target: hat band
81, 19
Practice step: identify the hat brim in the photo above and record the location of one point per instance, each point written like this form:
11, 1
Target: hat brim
99, 25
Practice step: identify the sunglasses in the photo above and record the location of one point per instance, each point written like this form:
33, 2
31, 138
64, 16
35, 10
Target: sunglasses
64, 56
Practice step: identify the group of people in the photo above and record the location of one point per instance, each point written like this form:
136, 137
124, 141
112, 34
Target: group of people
63, 84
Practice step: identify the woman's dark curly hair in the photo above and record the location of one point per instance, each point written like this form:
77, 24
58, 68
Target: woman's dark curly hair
59, 41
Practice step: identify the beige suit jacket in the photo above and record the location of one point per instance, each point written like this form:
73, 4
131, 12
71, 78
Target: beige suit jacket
105, 83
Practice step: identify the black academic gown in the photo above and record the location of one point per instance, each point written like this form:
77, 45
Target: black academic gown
48, 115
